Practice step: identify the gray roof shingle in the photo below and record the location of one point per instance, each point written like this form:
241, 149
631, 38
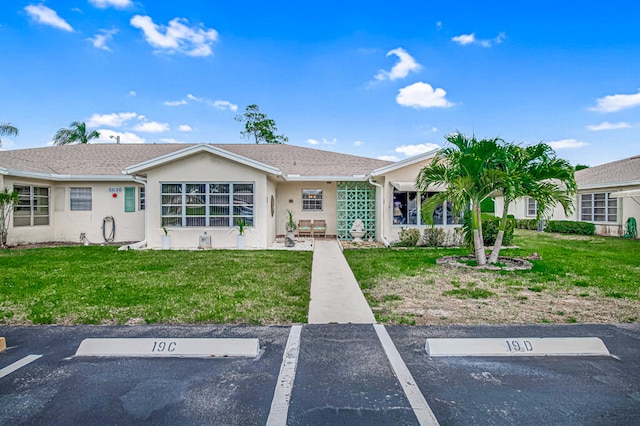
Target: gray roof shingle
111, 159
626, 170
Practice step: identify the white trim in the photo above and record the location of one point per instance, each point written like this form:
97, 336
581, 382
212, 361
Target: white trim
623, 194
403, 163
63, 178
298, 178
608, 185
202, 147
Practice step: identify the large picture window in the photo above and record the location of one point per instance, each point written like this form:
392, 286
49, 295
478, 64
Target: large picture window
216, 204
598, 207
407, 205
33, 206
80, 199
312, 199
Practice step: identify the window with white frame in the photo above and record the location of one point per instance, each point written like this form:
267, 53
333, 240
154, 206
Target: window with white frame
32, 208
210, 204
598, 207
532, 207
407, 205
312, 199
80, 199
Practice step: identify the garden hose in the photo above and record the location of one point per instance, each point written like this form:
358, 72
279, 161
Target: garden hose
112, 234
632, 228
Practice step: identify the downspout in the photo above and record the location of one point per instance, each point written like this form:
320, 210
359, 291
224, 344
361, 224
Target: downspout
384, 240
140, 244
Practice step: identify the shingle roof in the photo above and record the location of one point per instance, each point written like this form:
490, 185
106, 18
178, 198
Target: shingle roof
627, 170
111, 159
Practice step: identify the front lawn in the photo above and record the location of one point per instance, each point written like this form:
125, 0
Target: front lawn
582, 279
101, 285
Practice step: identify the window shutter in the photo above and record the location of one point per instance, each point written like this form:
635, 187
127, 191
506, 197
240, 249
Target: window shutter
129, 199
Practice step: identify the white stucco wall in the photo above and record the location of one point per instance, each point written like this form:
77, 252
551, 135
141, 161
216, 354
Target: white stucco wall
627, 207
66, 225
206, 167
290, 198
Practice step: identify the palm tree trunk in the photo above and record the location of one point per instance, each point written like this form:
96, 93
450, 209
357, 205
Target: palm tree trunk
478, 241
493, 258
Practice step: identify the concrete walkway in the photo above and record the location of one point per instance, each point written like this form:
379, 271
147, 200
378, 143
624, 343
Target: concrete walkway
335, 294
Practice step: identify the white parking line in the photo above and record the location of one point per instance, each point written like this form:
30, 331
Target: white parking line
18, 364
416, 399
282, 395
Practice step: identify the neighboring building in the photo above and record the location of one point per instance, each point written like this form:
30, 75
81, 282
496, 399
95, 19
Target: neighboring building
608, 195
133, 191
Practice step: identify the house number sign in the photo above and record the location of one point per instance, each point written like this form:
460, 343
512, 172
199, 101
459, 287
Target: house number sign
115, 190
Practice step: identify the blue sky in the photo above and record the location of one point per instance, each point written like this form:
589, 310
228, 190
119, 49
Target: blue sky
386, 80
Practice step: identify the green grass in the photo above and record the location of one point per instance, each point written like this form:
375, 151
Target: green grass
93, 285
609, 264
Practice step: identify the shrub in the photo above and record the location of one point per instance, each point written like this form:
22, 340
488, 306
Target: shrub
433, 237
570, 227
408, 238
531, 224
490, 228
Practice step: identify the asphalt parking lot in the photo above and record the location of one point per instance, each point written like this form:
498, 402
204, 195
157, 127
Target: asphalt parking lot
343, 376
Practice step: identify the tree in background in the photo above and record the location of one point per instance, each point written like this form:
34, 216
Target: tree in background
465, 170
76, 133
259, 127
7, 201
6, 129
532, 171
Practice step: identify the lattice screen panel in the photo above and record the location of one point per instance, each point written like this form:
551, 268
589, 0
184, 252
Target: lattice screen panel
356, 200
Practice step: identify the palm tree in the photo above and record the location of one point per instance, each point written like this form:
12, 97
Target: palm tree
532, 171
6, 129
465, 170
76, 133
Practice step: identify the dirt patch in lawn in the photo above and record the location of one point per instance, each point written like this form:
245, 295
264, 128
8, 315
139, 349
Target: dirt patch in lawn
446, 295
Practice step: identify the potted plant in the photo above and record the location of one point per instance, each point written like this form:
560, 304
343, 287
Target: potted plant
241, 228
166, 239
291, 226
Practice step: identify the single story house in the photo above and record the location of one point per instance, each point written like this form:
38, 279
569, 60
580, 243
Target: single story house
130, 192
608, 195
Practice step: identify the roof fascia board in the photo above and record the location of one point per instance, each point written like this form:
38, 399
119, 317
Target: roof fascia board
58, 178
4, 171
609, 184
202, 147
404, 163
296, 178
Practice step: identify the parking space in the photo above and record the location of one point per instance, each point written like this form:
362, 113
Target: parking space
528, 390
343, 376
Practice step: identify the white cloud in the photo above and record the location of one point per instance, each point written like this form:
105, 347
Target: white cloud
170, 140
125, 137
185, 128
118, 4
465, 39
132, 93
225, 105
313, 142
175, 103
100, 41
44, 15
567, 144
439, 25
388, 158
110, 120
177, 37
324, 141
152, 127
608, 126
402, 68
411, 150
194, 98
422, 95
358, 143
613, 103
